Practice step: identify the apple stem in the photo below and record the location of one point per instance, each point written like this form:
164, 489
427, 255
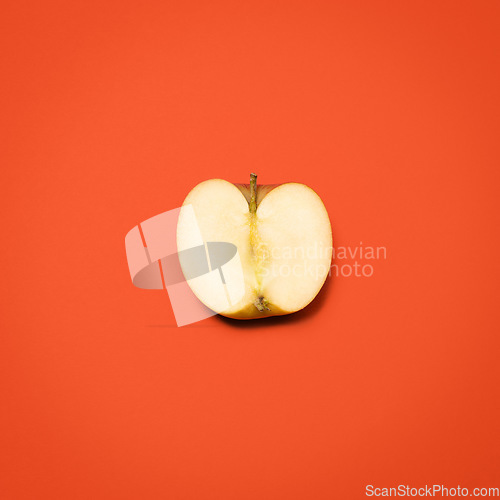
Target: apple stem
261, 304
253, 193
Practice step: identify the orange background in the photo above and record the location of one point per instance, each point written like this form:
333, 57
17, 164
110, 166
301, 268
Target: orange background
112, 111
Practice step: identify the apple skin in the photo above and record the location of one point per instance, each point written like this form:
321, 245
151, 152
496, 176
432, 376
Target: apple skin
263, 299
261, 192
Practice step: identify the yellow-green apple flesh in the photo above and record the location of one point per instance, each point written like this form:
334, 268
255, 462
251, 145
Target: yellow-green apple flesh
283, 238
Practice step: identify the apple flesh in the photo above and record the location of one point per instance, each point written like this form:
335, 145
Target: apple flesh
283, 238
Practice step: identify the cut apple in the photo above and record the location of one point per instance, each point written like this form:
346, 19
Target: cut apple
283, 239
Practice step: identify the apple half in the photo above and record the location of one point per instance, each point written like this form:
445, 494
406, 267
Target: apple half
283, 238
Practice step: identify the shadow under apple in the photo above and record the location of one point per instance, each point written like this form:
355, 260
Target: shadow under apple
300, 316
